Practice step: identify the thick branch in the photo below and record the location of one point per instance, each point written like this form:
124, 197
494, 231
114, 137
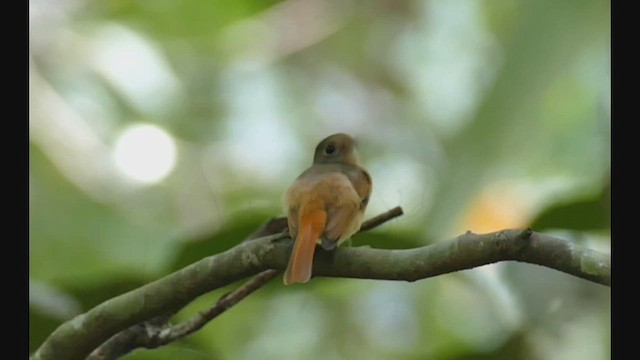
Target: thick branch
76, 338
155, 333
152, 334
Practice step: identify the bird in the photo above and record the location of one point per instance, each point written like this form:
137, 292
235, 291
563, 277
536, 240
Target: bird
325, 205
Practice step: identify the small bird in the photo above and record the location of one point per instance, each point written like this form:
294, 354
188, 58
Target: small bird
325, 204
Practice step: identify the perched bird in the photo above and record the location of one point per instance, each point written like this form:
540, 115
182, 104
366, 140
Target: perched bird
325, 204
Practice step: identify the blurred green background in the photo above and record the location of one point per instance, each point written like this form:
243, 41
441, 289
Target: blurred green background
165, 131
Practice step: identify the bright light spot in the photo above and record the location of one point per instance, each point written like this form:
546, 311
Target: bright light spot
145, 153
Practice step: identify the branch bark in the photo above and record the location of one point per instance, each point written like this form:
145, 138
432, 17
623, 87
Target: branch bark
78, 337
155, 333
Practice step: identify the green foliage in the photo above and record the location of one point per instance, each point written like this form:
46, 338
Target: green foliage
449, 100
230, 235
40, 327
580, 215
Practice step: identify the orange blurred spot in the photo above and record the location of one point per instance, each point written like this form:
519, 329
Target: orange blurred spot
496, 208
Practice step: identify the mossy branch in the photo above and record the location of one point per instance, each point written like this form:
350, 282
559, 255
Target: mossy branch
78, 337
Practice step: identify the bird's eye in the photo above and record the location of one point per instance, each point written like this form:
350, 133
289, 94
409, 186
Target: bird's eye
330, 149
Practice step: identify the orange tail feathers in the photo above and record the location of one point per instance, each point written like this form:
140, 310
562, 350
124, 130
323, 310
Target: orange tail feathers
311, 226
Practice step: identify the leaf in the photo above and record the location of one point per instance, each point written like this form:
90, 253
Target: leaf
230, 235
40, 327
386, 240
581, 214
41, 324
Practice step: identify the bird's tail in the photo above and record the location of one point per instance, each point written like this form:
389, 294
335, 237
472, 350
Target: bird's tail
311, 226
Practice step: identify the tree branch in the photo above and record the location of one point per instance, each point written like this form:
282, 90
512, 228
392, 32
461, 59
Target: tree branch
153, 334
227, 301
79, 336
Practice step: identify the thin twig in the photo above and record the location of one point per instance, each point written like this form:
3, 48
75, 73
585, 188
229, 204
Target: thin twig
226, 302
136, 336
381, 219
